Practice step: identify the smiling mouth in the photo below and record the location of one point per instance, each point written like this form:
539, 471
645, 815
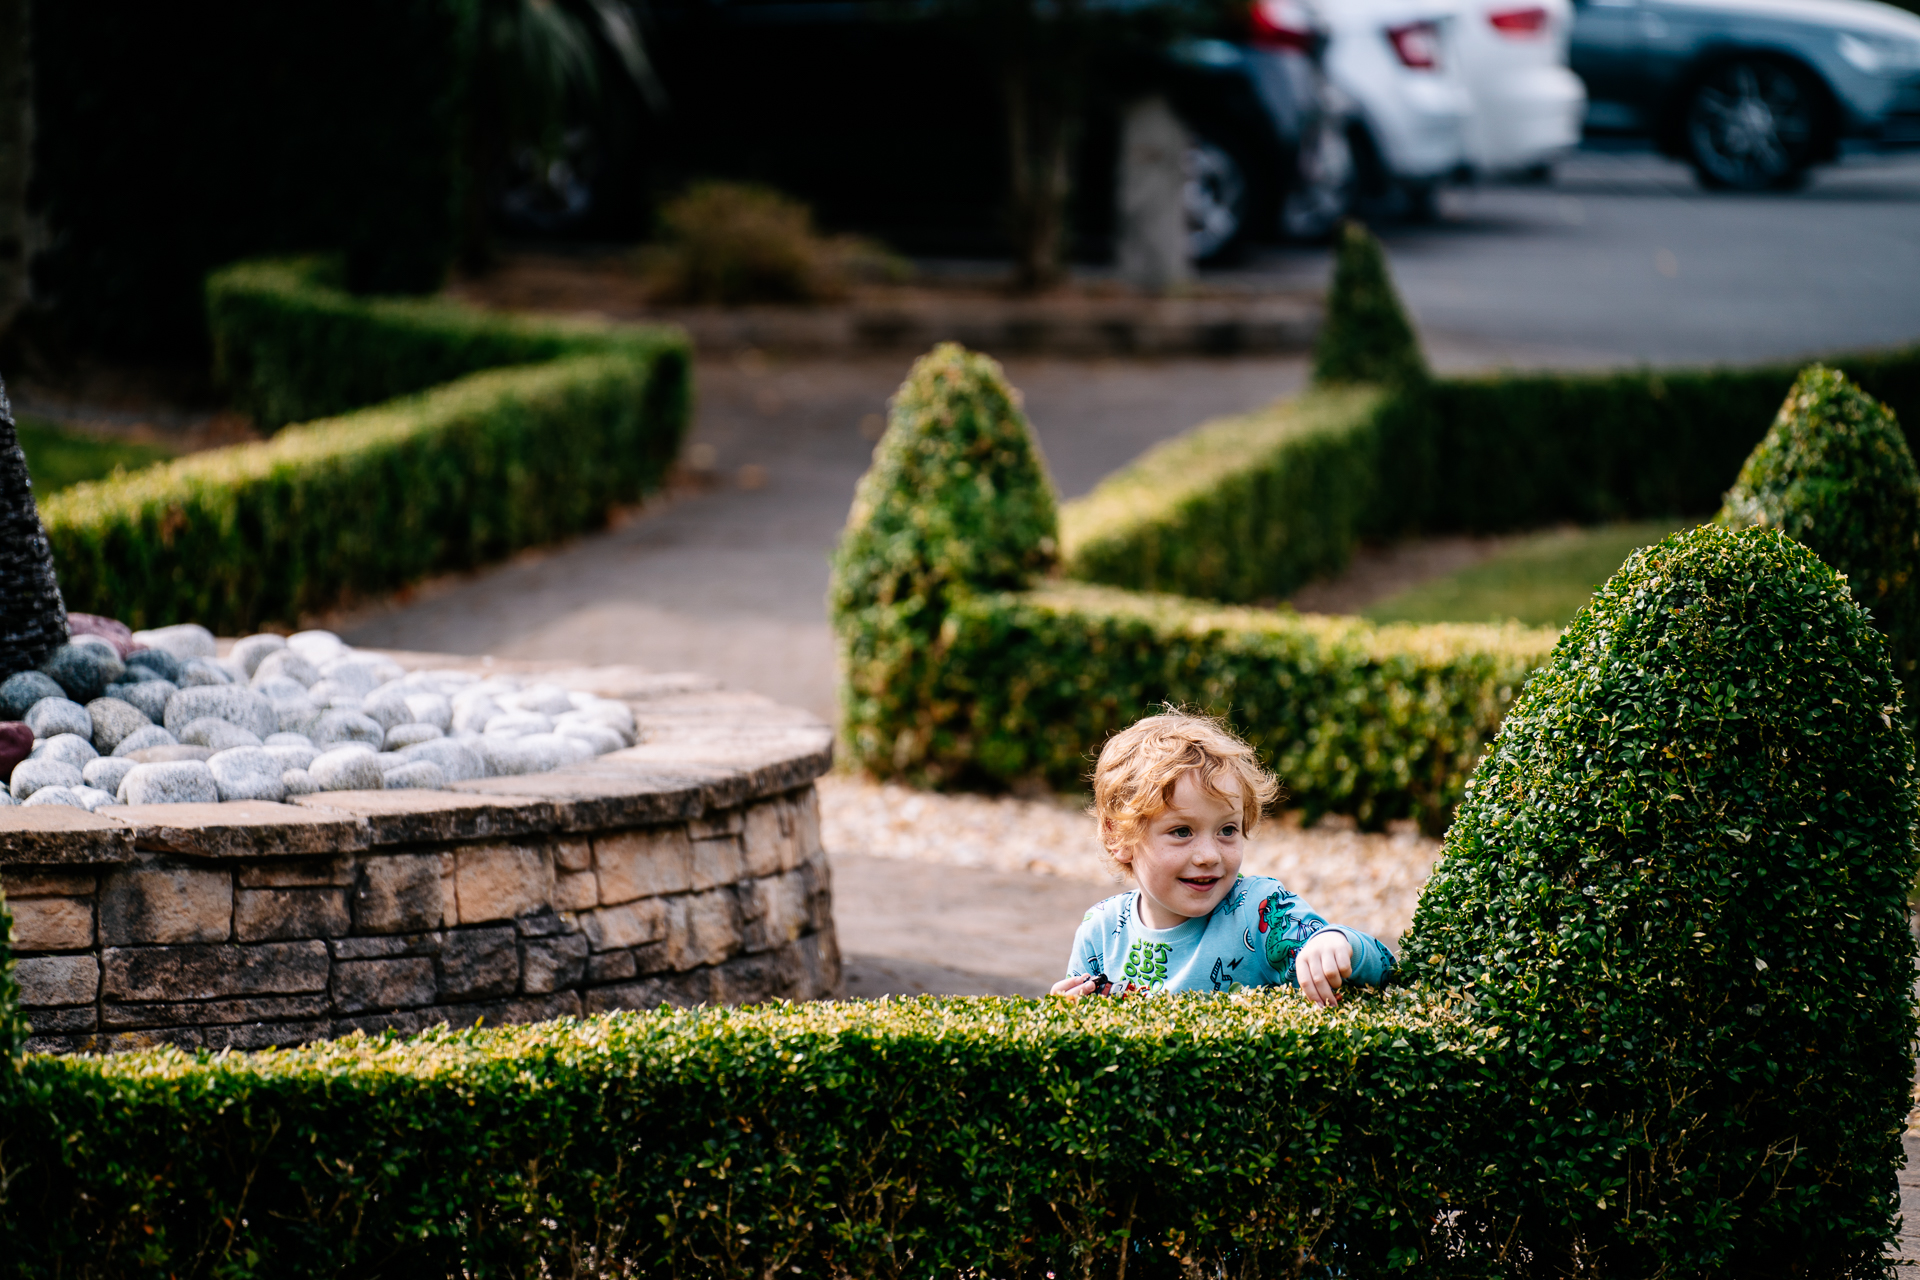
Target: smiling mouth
1200, 884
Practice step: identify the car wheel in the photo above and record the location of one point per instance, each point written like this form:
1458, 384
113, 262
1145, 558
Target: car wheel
1323, 187
1215, 196
1752, 125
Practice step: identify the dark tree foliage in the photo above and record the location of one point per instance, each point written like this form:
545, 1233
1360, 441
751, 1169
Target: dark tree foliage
1834, 473
33, 619
1678, 882
957, 501
1366, 336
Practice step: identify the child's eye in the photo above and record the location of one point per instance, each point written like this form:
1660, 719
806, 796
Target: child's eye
1230, 830
1181, 832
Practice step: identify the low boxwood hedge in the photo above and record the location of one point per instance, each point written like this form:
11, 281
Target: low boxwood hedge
583, 418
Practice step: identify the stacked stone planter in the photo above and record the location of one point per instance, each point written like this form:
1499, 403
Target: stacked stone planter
685, 869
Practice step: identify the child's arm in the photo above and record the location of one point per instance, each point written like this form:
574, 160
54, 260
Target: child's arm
1084, 976
1326, 956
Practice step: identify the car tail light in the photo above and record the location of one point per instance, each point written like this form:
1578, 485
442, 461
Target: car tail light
1518, 22
1282, 24
1418, 44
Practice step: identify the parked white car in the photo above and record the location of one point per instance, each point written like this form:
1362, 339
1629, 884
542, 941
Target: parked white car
1527, 105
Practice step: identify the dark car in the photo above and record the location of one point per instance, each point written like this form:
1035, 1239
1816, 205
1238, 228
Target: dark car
1751, 92
893, 123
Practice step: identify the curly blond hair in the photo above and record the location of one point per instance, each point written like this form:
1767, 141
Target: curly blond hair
1140, 766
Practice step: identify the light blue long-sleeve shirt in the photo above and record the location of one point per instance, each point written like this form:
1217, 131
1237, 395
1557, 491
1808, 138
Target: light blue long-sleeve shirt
1250, 940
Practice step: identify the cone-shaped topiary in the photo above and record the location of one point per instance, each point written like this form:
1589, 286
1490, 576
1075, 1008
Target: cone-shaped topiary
1365, 336
1834, 472
1678, 882
33, 619
957, 500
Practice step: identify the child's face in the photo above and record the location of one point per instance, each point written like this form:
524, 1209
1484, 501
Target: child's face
1187, 858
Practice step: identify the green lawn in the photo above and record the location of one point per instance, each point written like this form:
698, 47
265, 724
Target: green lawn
1542, 580
58, 457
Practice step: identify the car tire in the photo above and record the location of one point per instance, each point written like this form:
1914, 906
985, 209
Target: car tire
1753, 124
1216, 200
1325, 177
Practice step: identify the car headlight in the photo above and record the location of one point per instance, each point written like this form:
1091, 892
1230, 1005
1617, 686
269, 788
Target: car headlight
1876, 54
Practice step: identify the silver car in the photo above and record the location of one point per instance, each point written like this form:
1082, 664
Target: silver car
1751, 92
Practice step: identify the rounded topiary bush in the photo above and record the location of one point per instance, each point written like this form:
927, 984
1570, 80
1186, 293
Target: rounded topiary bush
1678, 882
1834, 472
1365, 336
957, 500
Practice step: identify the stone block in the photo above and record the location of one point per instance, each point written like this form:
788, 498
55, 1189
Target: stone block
297, 873
702, 929
263, 915
53, 980
399, 893
209, 972
88, 1043
611, 966
432, 817
52, 924
48, 884
161, 904
806, 826
364, 985
545, 923
55, 835
627, 925
63, 1021
248, 1036
242, 828
768, 838
711, 826
126, 1017
540, 1008
716, 862
575, 890
573, 853
476, 963
820, 961
774, 911
554, 964
751, 979
644, 863
681, 990
382, 947
500, 881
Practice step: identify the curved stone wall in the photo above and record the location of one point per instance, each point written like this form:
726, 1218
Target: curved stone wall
685, 869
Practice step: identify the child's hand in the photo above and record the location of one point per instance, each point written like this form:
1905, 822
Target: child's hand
1323, 964
1079, 984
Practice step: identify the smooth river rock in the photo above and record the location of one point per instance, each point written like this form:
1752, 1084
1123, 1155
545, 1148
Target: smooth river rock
236, 704
248, 773
32, 774
113, 719
19, 691
171, 782
51, 716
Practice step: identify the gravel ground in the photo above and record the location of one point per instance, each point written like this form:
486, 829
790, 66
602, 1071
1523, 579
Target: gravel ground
1366, 880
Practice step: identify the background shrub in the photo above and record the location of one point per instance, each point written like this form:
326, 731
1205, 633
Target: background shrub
957, 501
1244, 509
1678, 883
921, 1137
1834, 473
1365, 336
13, 1026
734, 242
164, 148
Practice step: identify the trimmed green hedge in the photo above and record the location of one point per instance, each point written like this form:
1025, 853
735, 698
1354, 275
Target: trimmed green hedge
328, 510
915, 1138
1678, 883
290, 345
1247, 508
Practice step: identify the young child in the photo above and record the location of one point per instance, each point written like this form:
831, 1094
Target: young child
1176, 796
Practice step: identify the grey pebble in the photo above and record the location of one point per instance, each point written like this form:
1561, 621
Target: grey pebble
519, 723
153, 664
408, 735
290, 755
113, 719
51, 716
431, 708
84, 670
6, 798
248, 773
458, 761
142, 739
67, 797
279, 689
470, 714
247, 655
421, 775
597, 736
217, 734
346, 769
288, 740
203, 671
549, 751
32, 774
170, 782
299, 782
235, 704
150, 696
106, 772
286, 664
186, 640
168, 753
19, 691
546, 699
92, 798
388, 706
352, 674
317, 646
68, 748
335, 727
502, 755
296, 715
